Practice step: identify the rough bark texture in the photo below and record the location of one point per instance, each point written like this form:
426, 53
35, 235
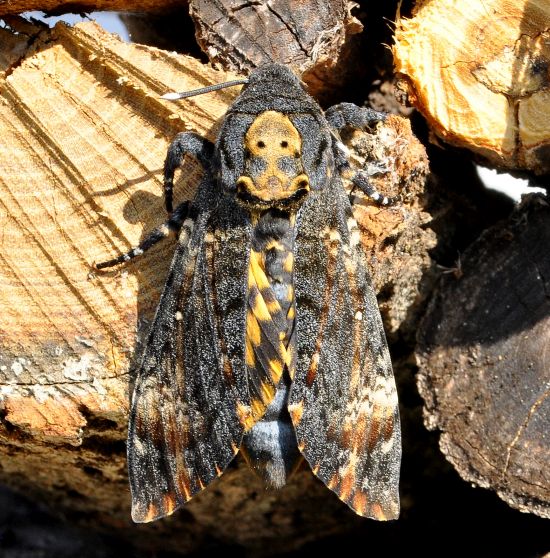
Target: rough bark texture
12, 7
484, 360
396, 236
84, 138
314, 38
479, 73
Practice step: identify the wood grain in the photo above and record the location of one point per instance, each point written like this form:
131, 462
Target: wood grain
84, 137
480, 76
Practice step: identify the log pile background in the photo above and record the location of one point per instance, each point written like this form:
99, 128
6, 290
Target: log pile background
463, 277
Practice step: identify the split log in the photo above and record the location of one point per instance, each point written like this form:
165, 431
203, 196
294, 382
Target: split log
484, 360
54, 7
315, 38
84, 138
479, 73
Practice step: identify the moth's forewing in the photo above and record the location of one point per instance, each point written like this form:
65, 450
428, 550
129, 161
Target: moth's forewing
186, 421
343, 401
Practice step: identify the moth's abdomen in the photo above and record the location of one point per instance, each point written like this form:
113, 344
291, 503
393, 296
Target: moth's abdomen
270, 443
270, 311
270, 447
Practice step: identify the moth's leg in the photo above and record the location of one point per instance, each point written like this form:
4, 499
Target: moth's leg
361, 180
185, 142
348, 115
171, 226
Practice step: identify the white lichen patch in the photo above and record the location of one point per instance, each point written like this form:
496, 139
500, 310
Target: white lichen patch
84, 341
77, 368
41, 393
98, 386
18, 366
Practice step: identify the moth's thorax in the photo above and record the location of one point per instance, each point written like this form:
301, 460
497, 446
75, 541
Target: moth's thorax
273, 174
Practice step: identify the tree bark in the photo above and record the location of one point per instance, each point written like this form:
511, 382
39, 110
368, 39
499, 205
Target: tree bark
484, 362
315, 38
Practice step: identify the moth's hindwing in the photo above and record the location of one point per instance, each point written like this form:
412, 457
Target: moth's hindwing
343, 401
191, 400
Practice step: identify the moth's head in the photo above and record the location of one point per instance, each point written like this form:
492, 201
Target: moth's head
273, 87
275, 77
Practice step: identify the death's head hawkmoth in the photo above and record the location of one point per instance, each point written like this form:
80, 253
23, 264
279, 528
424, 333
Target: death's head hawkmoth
267, 338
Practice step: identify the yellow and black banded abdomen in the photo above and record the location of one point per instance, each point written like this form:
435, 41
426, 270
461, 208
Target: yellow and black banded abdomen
270, 312
269, 444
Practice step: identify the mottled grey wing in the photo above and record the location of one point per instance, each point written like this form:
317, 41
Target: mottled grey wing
343, 401
190, 397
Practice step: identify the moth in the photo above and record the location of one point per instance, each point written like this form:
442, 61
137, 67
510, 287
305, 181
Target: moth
267, 339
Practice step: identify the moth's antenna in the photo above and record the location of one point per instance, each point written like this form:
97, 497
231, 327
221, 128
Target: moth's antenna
185, 94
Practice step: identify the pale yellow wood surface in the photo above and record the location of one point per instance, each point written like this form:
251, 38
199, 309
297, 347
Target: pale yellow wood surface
479, 72
84, 136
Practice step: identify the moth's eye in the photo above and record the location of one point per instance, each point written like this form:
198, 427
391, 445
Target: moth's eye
284, 144
261, 144
296, 154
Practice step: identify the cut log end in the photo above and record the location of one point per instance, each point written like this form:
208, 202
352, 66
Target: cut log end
479, 74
